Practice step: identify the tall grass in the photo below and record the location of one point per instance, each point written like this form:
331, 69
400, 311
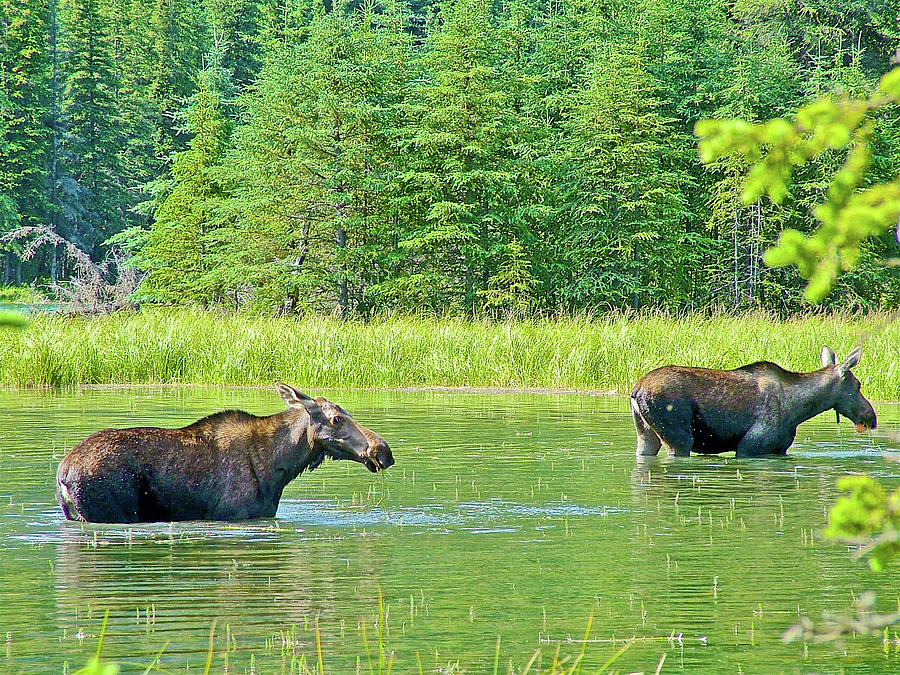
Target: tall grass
19, 294
595, 354
560, 665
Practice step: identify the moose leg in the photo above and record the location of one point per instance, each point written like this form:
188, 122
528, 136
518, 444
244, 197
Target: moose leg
664, 424
672, 423
648, 442
678, 442
98, 499
761, 440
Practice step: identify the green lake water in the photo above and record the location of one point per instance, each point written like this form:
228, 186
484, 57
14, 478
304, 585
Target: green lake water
515, 516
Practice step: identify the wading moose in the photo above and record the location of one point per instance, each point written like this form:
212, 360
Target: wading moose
228, 466
752, 410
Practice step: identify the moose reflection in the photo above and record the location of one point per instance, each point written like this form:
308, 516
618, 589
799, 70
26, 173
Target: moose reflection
752, 410
229, 466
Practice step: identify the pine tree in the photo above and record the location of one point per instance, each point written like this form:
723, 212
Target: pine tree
132, 22
95, 198
179, 34
307, 169
236, 27
283, 22
624, 226
760, 78
462, 173
174, 251
24, 141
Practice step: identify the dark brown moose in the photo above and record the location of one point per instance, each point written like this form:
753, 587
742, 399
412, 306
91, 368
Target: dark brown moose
752, 410
228, 466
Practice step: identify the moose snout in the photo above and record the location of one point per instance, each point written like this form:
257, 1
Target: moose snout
381, 456
870, 420
864, 417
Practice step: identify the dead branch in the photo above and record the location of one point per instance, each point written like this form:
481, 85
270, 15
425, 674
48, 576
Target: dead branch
93, 288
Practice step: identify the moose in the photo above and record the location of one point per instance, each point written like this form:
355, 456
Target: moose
228, 466
753, 410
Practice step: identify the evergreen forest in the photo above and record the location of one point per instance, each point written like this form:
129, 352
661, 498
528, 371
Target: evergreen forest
446, 156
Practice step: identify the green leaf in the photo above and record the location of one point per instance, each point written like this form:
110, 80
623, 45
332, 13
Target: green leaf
890, 84
13, 320
97, 667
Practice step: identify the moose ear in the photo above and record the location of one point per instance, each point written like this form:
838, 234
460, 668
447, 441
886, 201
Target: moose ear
294, 398
827, 356
851, 361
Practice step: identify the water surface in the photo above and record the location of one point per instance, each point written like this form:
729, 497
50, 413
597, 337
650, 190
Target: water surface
518, 516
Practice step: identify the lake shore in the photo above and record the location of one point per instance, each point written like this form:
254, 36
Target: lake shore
602, 355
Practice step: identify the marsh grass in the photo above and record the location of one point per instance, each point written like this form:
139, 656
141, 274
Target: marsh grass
605, 354
382, 663
20, 295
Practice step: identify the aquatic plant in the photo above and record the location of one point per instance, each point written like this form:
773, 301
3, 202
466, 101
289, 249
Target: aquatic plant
382, 662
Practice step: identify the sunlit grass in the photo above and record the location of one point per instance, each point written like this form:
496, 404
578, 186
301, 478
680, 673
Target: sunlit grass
381, 663
19, 294
605, 353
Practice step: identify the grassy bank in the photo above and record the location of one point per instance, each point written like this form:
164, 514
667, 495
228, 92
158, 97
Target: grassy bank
19, 295
601, 354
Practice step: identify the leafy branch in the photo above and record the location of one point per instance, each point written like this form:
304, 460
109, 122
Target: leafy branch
868, 517
850, 213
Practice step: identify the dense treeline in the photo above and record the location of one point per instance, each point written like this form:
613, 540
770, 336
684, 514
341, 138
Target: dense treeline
453, 156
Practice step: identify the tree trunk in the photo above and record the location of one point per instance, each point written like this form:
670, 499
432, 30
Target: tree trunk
54, 261
343, 296
292, 299
55, 130
635, 298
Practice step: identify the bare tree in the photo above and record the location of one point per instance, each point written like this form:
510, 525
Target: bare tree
94, 288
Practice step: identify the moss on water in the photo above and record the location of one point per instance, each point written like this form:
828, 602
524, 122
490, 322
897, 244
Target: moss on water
161, 346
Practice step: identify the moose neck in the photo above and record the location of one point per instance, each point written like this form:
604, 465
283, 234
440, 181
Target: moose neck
294, 446
812, 394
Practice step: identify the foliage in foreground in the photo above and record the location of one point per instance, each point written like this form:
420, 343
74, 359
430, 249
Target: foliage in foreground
12, 320
868, 517
606, 353
856, 208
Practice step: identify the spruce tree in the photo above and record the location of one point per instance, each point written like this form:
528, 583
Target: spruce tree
94, 197
626, 214
175, 252
179, 33
307, 170
24, 138
133, 60
462, 176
